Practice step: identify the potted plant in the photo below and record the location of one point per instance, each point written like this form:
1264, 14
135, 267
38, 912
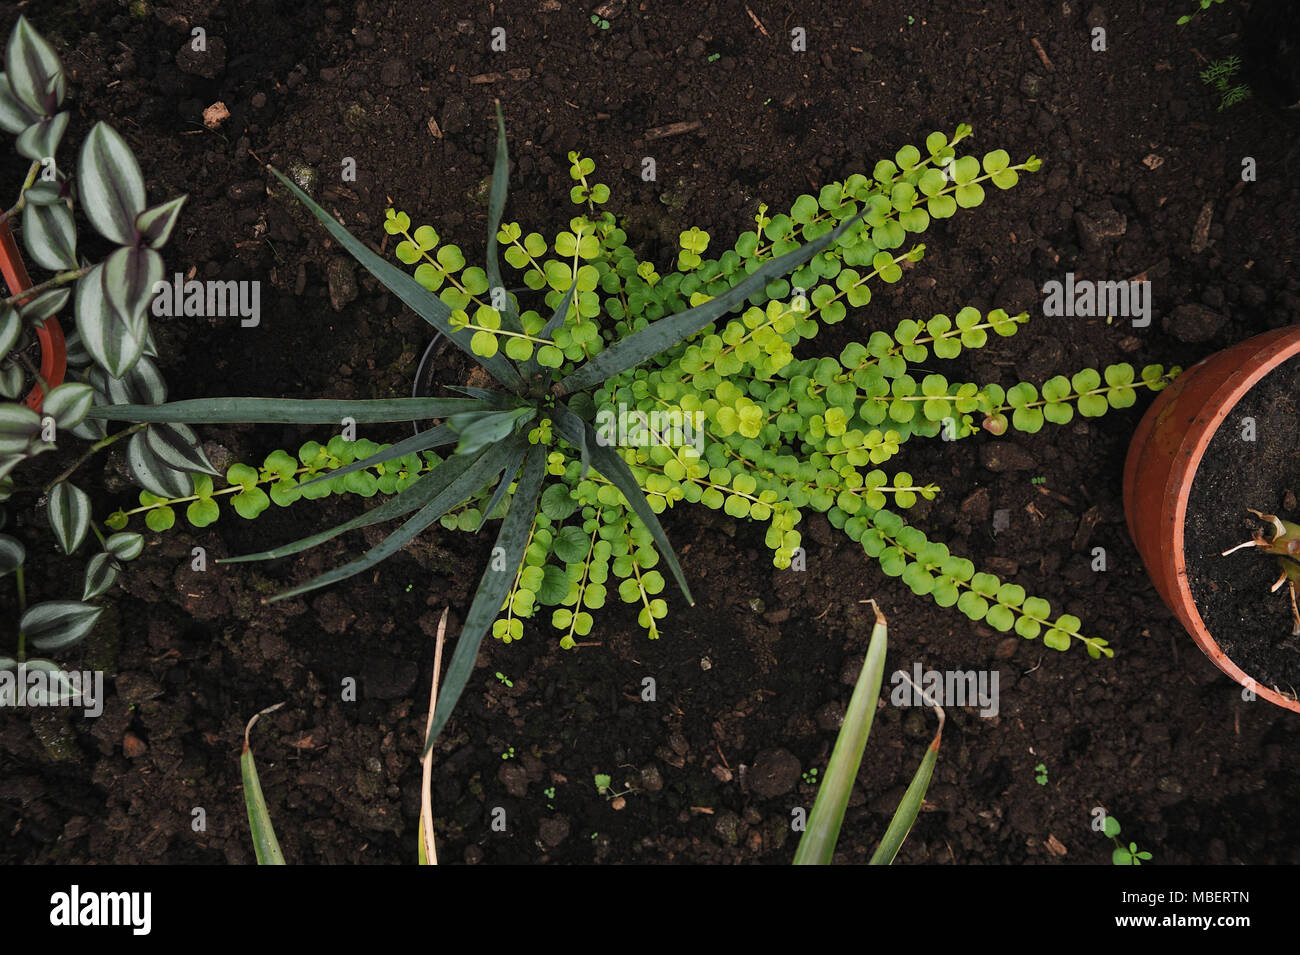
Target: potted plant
580, 437
1214, 461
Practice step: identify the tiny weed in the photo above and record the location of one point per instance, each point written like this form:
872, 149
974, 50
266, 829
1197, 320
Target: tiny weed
1219, 74
1040, 774
1123, 855
603, 787
1204, 5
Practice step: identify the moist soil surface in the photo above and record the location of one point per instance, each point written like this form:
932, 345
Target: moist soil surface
1142, 177
1251, 458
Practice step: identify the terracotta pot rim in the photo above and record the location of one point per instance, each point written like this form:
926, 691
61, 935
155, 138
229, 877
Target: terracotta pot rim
1203, 428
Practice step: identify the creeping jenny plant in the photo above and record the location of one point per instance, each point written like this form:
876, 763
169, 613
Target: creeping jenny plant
705, 349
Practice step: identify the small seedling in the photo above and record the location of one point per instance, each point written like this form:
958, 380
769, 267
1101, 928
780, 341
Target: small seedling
549, 792
1123, 855
600, 21
509, 753
1038, 480
1040, 774
714, 57
810, 777
1219, 75
605, 789
504, 679
1204, 5
1285, 545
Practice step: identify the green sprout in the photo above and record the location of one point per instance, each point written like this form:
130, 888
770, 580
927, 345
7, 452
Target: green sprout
1038, 480
504, 679
549, 792
1123, 855
1204, 5
1040, 774
509, 753
810, 777
599, 21
604, 787
714, 57
1219, 74
817, 844
1285, 545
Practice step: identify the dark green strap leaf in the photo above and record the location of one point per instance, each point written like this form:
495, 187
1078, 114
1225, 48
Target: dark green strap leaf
477, 430
507, 476
494, 398
432, 438
615, 470
909, 807
289, 410
496, 206
667, 332
265, 844
482, 471
493, 588
531, 367
423, 302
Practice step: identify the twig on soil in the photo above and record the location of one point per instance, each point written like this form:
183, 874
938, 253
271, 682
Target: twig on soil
757, 22
1042, 54
426, 782
673, 129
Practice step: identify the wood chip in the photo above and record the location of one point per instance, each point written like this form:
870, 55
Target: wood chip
434, 129
1042, 54
1201, 234
215, 115
673, 129
1083, 533
1153, 161
1055, 847
522, 73
610, 9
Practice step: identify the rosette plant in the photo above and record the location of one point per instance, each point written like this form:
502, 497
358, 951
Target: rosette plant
1283, 543
711, 343
49, 381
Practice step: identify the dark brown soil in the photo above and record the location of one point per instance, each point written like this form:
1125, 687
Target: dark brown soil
1157, 735
1232, 593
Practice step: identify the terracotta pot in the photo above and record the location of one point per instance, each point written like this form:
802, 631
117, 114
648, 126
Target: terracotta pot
54, 351
1162, 460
